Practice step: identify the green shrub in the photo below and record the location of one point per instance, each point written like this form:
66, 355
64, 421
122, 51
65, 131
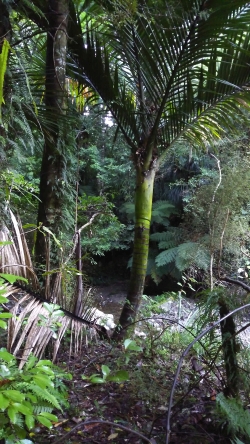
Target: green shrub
28, 395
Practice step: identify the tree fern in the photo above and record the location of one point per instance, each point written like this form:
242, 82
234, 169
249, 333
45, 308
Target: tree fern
191, 252
162, 210
166, 256
168, 239
183, 256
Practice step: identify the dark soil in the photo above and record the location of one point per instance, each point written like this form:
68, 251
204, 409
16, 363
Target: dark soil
192, 419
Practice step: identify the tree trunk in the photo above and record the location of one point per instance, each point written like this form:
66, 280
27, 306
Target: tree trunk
229, 348
53, 165
5, 33
143, 213
5, 26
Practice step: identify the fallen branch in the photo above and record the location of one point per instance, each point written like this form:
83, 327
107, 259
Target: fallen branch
100, 421
236, 282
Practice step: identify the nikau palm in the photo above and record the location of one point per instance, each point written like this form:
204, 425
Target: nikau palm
181, 72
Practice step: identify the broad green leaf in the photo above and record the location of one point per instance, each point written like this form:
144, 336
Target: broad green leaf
6, 356
14, 395
44, 369
96, 380
5, 315
119, 376
49, 416
31, 362
105, 370
46, 422
127, 342
130, 344
58, 313
3, 324
3, 243
32, 397
4, 402
48, 307
3, 299
29, 226
29, 421
43, 362
11, 278
22, 408
12, 414
43, 381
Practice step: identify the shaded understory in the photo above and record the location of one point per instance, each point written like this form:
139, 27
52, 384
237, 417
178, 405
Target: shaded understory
139, 404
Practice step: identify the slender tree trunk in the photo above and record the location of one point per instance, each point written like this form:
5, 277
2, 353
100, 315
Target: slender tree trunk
5, 26
143, 213
229, 348
5, 33
53, 165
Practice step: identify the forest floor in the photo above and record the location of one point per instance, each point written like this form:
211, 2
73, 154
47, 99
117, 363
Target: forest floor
126, 412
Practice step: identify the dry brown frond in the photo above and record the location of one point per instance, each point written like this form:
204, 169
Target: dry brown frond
15, 258
28, 332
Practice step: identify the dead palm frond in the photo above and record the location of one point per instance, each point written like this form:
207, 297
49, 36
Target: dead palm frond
32, 328
15, 256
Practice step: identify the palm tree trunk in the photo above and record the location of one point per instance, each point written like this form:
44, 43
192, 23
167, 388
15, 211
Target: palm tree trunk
143, 213
53, 165
5, 33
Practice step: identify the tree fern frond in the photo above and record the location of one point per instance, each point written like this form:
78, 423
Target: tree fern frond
161, 211
169, 238
186, 253
166, 256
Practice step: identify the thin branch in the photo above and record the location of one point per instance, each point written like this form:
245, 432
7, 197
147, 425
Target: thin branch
220, 176
77, 234
243, 252
100, 421
211, 230
221, 240
236, 282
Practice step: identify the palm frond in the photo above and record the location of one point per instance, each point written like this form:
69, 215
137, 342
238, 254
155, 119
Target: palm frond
31, 328
184, 73
15, 257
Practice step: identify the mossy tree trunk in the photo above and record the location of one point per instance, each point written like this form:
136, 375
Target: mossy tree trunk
5, 33
145, 174
53, 162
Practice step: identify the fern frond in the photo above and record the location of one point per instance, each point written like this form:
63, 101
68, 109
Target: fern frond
161, 211
186, 253
42, 408
45, 395
169, 238
167, 256
238, 418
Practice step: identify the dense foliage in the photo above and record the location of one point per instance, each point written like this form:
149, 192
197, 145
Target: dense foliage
124, 137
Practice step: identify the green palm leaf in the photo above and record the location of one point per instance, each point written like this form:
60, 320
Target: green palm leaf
183, 73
